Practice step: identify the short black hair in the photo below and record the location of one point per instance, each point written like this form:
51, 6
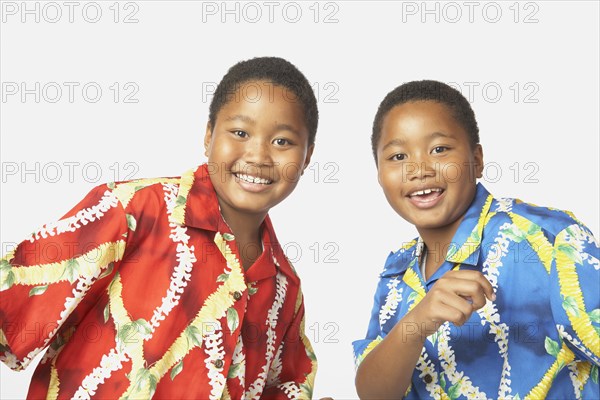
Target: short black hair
427, 90
277, 71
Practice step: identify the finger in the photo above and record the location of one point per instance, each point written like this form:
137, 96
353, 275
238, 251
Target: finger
487, 288
470, 291
458, 303
445, 312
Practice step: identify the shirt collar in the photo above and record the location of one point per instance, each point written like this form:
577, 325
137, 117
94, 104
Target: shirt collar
466, 243
197, 206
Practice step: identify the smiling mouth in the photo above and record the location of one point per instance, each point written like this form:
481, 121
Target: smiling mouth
426, 195
252, 179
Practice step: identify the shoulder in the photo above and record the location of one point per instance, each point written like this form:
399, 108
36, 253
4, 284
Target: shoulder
140, 191
519, 219
548, 219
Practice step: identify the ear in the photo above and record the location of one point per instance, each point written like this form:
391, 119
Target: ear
207, 139
478, 158
309, 154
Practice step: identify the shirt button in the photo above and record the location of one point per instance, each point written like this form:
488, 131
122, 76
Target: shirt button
427, 378
237, 296
218, 363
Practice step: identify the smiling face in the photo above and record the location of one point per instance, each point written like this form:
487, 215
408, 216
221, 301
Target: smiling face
426, 165
257, 149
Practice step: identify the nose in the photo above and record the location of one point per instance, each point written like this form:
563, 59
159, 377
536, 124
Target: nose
420, 168
258, 152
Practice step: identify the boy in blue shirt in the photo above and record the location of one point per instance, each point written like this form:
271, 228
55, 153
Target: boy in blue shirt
497, 298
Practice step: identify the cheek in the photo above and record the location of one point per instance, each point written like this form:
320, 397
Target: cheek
390, 179
290, 172
222, 150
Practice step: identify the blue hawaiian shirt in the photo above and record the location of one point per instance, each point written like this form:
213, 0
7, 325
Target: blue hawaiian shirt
540, 338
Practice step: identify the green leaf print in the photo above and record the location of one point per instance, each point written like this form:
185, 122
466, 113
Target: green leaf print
107, 271
194, 335
222, 277
517, 397
443, 382
475, 238
117, 275
595, 315
106, 312
111, 185
594, 373
597, 328
571, 253
433, 337
7, 279
143, 326
141, 378
560, 366
412, 296
311, 355
71, 271
533, 229
131, 222
233, 370
176, 369
228, 236
454, 391
233, 319
5, 266
124, 332
551, 346
570, 306
514, 233
152, 382
36, 291
251, 289
306, 389
180, 200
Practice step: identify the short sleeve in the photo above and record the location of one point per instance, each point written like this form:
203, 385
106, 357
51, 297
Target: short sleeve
575, 282
54, 278
375, 333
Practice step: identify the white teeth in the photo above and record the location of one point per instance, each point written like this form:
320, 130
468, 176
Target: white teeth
254, 179
426, 191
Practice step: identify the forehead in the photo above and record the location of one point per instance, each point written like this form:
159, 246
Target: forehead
419, 119
264, 101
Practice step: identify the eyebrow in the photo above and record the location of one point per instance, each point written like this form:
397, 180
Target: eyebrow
401, 142
247, 119
243, 118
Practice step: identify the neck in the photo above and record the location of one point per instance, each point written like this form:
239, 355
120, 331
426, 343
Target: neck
246, 229
438, 241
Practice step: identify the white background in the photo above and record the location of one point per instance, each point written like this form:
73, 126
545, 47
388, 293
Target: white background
178, 50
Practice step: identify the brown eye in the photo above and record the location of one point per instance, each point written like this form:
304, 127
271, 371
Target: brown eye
439, 149
398, 157
281, 142
240, 133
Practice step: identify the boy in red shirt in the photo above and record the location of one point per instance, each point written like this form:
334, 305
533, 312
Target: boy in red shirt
176, 287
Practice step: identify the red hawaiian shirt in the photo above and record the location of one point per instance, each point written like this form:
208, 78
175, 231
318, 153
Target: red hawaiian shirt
139, 292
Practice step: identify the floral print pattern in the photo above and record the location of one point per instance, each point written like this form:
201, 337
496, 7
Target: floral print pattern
145, 297
540, 338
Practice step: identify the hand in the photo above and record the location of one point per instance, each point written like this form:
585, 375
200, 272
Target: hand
453, 298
